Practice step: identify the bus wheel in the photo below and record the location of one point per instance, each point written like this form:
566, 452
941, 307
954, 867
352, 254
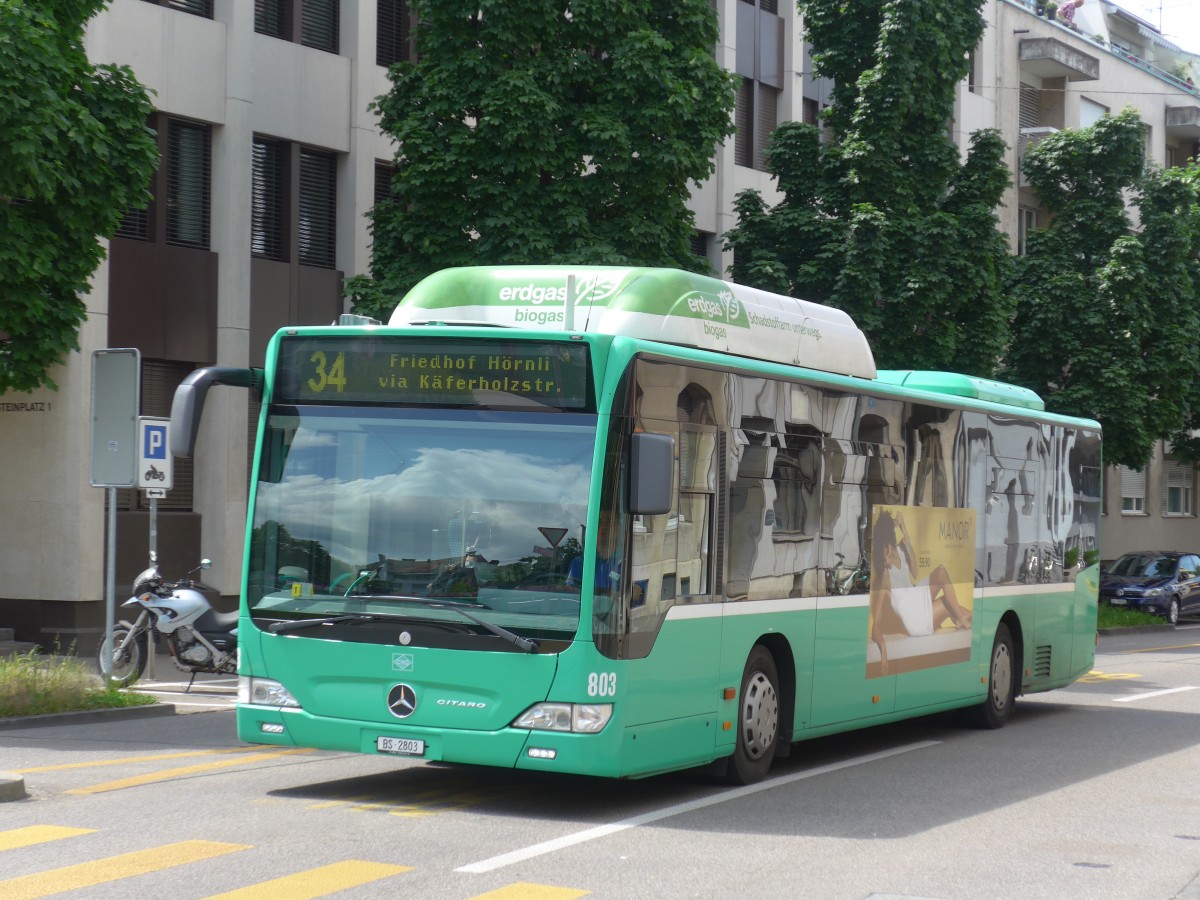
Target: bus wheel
1002, 684
758, 719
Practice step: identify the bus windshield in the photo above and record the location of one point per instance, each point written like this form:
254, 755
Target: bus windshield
358, 508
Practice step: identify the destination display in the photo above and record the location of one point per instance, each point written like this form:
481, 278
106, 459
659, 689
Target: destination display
432, 372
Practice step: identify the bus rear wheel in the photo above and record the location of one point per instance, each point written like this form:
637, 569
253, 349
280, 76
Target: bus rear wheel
994, 711
758, 719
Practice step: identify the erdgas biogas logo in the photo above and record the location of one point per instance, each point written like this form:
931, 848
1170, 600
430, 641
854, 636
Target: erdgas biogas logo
593, 289
717, 310
723, 306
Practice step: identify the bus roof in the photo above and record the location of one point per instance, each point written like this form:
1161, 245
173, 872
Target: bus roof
666, 305
964, 386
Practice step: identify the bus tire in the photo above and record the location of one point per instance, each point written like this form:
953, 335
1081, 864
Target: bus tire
994, 711
757, 719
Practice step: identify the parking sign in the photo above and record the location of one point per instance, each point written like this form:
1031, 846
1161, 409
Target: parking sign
154, 460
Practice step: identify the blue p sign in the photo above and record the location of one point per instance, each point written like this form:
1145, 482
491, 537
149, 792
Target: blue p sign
155, 437
154, 460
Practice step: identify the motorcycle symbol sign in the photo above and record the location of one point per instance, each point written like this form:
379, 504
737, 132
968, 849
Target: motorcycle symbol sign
154, 468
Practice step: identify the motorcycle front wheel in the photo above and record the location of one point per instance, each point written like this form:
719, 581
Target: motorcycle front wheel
128, 663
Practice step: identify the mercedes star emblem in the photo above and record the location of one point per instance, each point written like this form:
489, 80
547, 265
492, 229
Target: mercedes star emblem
402, 701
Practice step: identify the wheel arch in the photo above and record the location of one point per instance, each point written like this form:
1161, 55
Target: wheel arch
1013, 621
785, 667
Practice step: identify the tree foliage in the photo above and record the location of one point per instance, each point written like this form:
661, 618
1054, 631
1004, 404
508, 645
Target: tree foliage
75, 154
543, 132
1107, 323
879, 217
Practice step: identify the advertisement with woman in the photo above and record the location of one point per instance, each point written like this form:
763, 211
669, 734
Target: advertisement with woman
922, 588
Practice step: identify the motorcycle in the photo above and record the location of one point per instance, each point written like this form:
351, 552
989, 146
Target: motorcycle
199, 638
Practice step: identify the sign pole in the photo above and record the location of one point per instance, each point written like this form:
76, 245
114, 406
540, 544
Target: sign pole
150, 643
110, 591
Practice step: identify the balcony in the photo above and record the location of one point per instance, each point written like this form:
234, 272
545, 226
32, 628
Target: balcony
1049, 57
1183, 122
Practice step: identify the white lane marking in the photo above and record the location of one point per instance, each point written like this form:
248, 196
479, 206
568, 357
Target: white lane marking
1150, 694
591, 834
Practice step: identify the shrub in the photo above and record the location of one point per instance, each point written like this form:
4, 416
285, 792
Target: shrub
31, 685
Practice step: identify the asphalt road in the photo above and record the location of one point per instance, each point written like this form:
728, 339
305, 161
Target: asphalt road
1089, 792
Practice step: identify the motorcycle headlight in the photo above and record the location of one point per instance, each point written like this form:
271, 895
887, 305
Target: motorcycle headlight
148, 580
264, 692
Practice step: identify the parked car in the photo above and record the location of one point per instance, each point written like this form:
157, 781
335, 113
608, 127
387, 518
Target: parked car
1164, 583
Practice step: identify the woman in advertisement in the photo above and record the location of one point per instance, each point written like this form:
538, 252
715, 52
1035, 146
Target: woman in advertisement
899, 601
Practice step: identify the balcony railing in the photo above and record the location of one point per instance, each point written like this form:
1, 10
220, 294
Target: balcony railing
1131, 58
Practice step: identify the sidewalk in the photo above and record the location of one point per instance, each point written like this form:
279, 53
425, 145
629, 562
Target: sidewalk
162, 679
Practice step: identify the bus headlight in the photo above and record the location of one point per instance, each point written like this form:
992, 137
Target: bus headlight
581, 718
264, 692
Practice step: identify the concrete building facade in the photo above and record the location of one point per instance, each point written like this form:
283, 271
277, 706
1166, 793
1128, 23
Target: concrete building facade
270, 158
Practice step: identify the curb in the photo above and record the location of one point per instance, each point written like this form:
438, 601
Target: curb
1137, 629
84, 717
12, 787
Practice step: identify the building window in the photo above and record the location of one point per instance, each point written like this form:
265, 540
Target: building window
701, 242
180, 191
1090, 112
319, 24
267, 182
303, 204
1030, 108
188, 176
202, 8
135, 224
759, 60
1177, 481
273, 17
1133, 491
313, 23
1027, 218
384, 173
318, 208
394, 21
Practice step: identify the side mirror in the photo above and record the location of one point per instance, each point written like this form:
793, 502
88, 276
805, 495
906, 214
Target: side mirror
188, 403
651, 471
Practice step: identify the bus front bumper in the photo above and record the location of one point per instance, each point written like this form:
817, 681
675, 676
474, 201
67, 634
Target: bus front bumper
511, 748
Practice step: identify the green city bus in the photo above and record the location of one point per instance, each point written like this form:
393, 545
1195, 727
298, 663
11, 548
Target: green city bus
622, 521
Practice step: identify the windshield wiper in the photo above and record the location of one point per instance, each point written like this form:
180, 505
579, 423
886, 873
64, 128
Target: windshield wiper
296, 624
516, 640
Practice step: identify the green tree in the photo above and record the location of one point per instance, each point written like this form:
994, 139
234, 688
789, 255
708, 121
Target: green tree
879, 216
1107, 323
541, 132
76, 153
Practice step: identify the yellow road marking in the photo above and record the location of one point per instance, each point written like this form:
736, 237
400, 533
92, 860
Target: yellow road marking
315, 882
168, 774
523, 890
38, 834
102, 871
1097, 677
327, 804
135, 759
